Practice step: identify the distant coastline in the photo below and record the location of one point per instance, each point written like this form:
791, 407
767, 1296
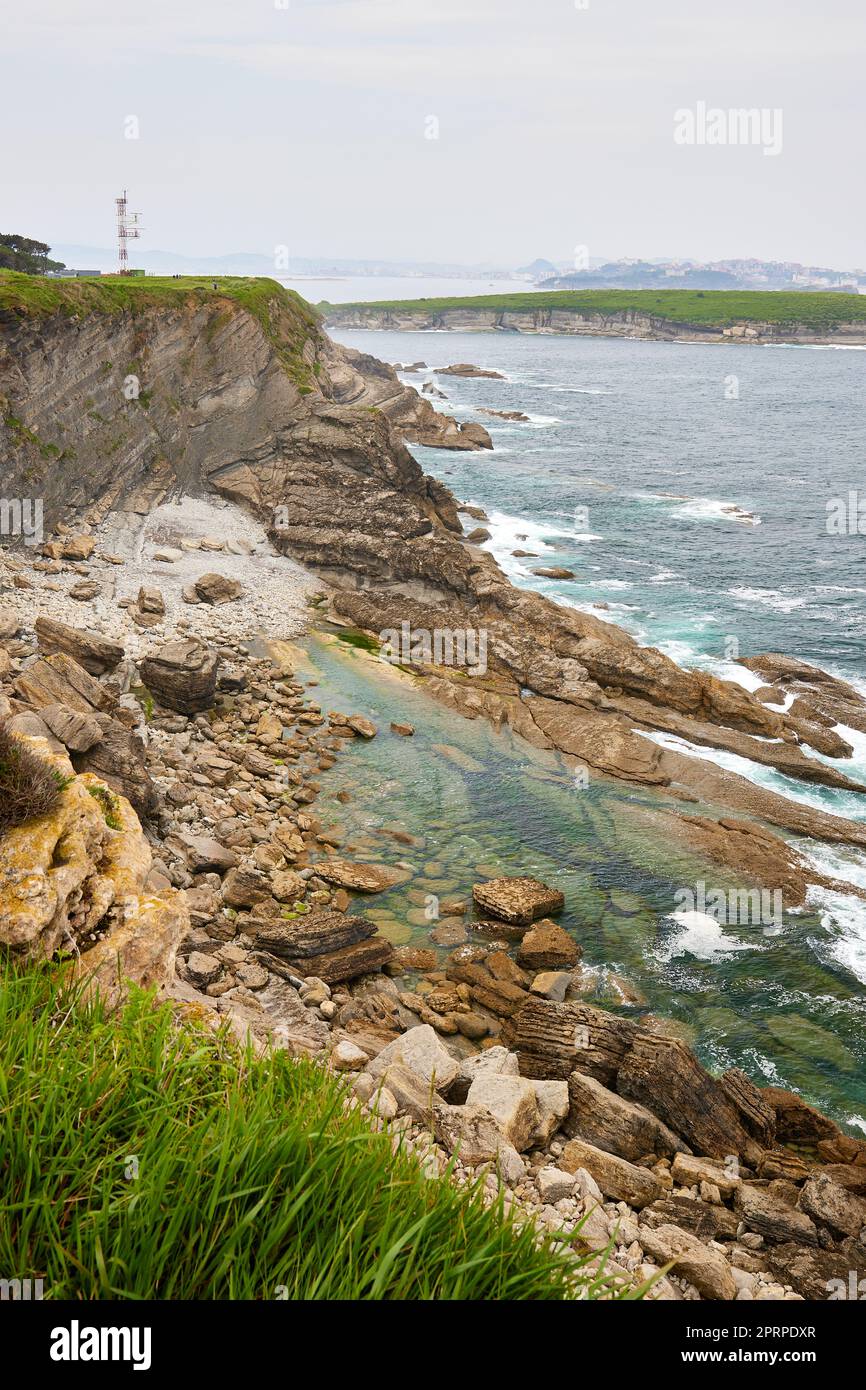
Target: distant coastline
713, 316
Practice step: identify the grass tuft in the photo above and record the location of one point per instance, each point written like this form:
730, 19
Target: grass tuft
29, 786
144, 1159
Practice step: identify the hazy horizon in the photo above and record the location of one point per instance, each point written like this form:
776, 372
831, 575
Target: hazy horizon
309, 127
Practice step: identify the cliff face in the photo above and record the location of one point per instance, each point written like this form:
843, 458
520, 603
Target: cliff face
123, 408
626, 324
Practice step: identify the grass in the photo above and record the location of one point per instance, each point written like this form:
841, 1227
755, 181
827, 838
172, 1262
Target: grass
29, 785
716, 308
143, 1159
287, 319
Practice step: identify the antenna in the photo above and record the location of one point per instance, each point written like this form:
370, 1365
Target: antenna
127, 229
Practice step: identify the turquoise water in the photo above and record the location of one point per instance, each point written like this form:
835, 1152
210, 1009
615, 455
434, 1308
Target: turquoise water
481, 803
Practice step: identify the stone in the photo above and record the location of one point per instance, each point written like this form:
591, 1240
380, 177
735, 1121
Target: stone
85, 590
244, 886
59, 680
689, 1171
76, 547
217, 589
554, 572
383, 1104
203, 854
95, 653
182, 676
664, 1075
519, 900
617, 1178
77, 732
346, 1056
359, 878
398, 727
551, 1097
554, 1184
203, 969
360, 725
469, 1131
705, 1268
551, 984
764, 1212
414, 1095
421, 1051
547, 946
512, 1103
831, 1205
611, 1122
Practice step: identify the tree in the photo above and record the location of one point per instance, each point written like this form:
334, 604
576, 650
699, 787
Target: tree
23, 253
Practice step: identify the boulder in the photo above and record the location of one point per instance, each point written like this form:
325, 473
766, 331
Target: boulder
77, 732
182, 676
95, 653
617, 1178
688, 1171
553, 1040
359, 878
551, 1097
518, 900
76, 547
554, 1184
554, 572
217, 589
546, 946
663, 1073
832, 1205
85, 590
511, 1101
59, 680
611, 1122
421, 1050
119, 759
469, 1132
203, 854
764, 1212
706, 1268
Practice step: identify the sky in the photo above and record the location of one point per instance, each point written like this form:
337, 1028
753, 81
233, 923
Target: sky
470, 131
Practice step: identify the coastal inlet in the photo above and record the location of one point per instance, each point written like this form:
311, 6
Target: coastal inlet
458, 802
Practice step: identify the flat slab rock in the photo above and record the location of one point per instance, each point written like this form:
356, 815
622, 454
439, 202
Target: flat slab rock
330, 945
96, 654
517, 900
359, 878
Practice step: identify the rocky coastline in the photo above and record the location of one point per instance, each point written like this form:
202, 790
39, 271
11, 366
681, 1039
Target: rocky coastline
186, 851
627, 323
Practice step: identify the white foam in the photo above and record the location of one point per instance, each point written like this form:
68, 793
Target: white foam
700, 935
768, 598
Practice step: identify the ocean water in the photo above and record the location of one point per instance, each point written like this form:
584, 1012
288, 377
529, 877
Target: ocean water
687, 486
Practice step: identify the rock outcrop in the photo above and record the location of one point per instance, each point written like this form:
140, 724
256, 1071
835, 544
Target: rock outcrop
75, 881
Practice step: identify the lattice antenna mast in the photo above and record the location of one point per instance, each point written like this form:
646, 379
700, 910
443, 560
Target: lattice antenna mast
128, 229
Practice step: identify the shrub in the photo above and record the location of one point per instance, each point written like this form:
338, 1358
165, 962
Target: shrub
29, 786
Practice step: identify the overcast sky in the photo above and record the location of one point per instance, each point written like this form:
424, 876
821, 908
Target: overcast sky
306, 125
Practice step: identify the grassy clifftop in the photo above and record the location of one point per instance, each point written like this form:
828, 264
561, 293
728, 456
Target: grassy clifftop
717, 308
34, 295
287, 320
